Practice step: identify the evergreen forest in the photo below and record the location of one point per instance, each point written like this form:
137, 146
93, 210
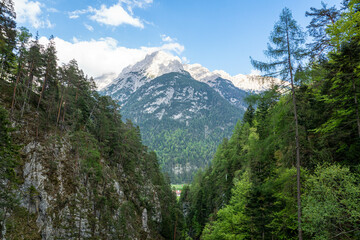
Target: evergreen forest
291, 168
72, 168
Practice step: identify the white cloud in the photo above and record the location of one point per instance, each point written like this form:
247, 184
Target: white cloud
255, 72
166, 38
52, 10
106, 56
30, 12
171, 47
136, 4
76, 14
89, 27
185, 60
114, 16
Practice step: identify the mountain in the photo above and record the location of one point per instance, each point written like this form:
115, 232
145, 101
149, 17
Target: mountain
182, 119
219, 83
134, 76
247, 83
183, 110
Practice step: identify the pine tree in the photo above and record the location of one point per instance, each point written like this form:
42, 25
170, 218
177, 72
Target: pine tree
7, 35
23, 41
322, 19
344, 94
33, 69
50, 73
286, 51
249, 115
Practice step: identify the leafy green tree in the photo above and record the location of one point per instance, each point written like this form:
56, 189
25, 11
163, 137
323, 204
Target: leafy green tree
286, 53
232, 221
344, 82
348, 26
331, 207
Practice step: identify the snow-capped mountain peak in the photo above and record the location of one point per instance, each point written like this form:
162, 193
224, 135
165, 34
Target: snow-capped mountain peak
200, 73
159, 63
134, 76
155, 65
162, 63
245, 82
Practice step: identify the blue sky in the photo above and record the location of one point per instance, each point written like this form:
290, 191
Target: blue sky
106, 35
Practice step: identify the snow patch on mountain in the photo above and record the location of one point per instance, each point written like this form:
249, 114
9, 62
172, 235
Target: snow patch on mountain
154, 65
160, 114
201, 73
177, 116
151, 109
104, 80
245, 82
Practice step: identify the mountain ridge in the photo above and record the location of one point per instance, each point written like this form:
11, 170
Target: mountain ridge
161, 62
182, 120
173, 105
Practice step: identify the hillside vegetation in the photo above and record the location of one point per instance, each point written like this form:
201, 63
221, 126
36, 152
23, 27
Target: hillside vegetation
250, 191
186, 142
70, 168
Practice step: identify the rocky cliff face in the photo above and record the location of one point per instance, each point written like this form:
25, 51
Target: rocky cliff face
68, 203
71, 181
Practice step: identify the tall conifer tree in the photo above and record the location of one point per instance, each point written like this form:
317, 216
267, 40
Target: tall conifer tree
286, 52
7, 34
322, 19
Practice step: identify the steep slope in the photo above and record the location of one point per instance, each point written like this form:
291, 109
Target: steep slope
134, 76
164, 116
86, 177
159, 63
182, 119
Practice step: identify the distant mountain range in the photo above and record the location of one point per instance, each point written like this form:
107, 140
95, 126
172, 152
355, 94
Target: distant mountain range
183, 111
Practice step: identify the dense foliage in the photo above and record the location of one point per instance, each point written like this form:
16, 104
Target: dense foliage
46, 101
250, 189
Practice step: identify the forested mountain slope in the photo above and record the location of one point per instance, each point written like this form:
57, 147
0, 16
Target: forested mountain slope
182, 119
250, 189
70, 168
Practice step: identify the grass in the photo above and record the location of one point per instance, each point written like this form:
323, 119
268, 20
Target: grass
177, 186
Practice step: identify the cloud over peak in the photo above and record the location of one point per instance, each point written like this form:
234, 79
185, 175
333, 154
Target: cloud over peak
107, 57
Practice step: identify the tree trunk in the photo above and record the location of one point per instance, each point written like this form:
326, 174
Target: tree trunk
16, 83
357, 108
296, 138
29, 87
2, 66
42, 90
59, 108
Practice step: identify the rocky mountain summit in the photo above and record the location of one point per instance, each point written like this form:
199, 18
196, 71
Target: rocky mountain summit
183, 110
